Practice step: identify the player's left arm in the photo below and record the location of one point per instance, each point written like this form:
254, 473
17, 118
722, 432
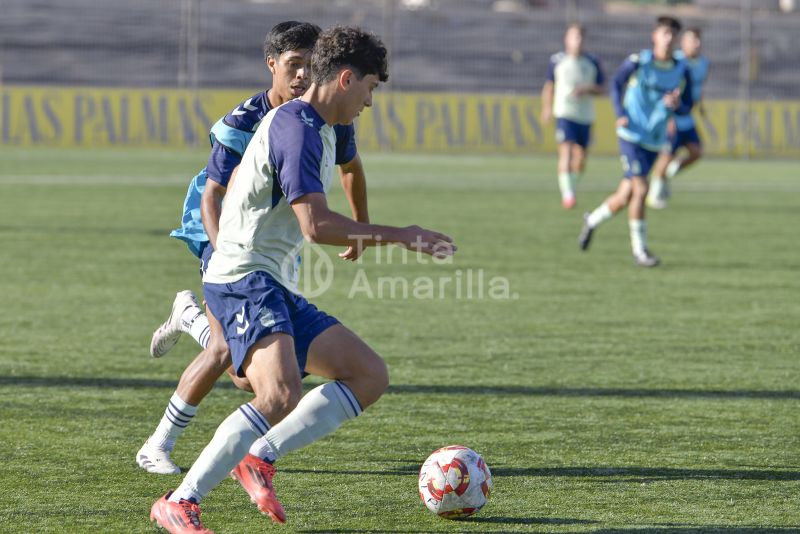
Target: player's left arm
354, 183
684, 105
596, 88
701, 101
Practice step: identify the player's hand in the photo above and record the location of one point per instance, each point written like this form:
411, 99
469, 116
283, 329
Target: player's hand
352, 253
671, 98
579, 92
429, 242
622, 122
546, 116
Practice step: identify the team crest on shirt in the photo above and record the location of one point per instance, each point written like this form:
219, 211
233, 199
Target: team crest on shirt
306, 119
267, 318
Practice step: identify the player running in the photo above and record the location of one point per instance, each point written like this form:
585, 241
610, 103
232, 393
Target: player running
287, 49
277, 199
648, 88
685, 132
573, 78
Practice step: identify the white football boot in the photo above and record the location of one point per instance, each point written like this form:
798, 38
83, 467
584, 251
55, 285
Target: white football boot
166, 335
154, 459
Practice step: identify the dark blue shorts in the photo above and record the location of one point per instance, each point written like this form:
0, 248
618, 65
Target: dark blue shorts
683, 138
574, 132
205, 255
636, 161
256, 306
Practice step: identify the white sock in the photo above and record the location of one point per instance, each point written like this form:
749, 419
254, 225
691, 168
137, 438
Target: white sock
225, 450
566, 184
199, 329
638, 228
176, 418
673, 168
602, 213
656, 186
321, 411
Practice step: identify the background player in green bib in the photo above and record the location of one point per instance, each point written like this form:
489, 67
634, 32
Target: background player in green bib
648, 88
573, 78
684, 133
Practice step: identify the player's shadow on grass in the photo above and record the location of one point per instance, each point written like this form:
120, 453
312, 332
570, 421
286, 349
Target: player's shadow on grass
695, 529
649, 474
423, 389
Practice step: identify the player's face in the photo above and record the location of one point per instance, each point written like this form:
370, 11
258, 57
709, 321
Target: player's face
690, 44
289, 79
663, 40
358, 95
573, 41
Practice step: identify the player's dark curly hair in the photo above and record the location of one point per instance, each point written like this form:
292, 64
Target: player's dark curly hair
290, 35
343, 46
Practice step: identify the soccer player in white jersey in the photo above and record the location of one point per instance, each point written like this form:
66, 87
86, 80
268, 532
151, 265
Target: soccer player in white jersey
287, 49
277, 199
684, 131
573, 78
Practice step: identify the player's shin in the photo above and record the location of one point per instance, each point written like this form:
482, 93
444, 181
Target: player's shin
321, 411
230, 443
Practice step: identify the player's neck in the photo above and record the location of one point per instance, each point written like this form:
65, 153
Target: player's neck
662, 55
322, 99
274, 99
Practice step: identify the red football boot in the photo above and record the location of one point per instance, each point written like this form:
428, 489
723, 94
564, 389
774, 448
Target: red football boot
255, 476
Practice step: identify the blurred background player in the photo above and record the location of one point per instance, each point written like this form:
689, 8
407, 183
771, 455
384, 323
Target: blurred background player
277, 199
648, 88
684, 131
287, 49
573, 78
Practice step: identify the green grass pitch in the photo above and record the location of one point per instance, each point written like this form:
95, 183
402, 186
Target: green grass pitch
605, 397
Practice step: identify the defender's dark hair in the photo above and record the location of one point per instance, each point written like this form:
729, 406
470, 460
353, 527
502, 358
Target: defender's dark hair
578, 26
668, 22
695, 30
290, 35
343, 46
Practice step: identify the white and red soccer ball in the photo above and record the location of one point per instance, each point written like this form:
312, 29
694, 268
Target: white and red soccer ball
454, 482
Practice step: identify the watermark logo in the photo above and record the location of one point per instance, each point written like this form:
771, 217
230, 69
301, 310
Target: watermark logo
312, 270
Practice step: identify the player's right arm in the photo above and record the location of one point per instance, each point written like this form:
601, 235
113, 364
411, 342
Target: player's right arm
547, 93
325, 227
222, 164
618, 86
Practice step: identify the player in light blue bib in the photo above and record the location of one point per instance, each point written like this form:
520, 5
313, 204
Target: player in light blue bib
573, 78
649, 87
684, 134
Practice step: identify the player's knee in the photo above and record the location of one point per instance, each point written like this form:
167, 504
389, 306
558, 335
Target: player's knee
218, 354
379, 375
238, 381
281, 398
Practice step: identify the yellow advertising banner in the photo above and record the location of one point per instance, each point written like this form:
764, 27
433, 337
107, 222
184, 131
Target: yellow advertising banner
410, 122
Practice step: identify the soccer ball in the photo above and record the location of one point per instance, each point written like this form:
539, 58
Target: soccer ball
454, 482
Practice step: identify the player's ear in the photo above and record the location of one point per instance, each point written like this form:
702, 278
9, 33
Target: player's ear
344, 79
270, 61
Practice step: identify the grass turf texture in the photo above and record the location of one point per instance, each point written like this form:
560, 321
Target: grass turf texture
605, 397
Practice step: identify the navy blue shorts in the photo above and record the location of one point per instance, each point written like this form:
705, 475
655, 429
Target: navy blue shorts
685, 137
256, 306
205, 255
636, 161
573, 132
